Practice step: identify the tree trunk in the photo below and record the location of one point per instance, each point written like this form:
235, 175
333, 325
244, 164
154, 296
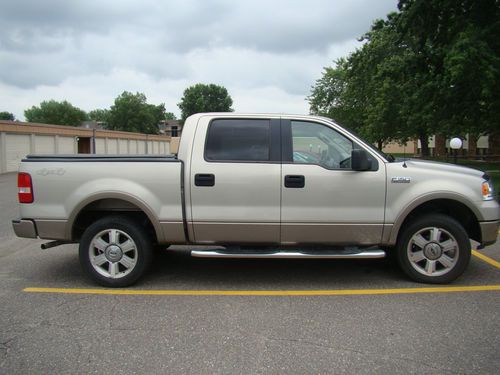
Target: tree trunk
424, 143
494, 145
380, 144
472, 150
439, 145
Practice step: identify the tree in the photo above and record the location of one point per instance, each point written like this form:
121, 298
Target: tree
431, 68
459, 45
58, 113
386, 83
100, 115
204, 98
362, 91
170, 116
7, 116
329, 96
132, 113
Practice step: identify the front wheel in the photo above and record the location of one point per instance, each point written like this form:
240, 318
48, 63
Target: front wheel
434, 249
115, 251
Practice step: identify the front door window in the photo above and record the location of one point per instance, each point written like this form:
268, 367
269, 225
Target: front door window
318, 144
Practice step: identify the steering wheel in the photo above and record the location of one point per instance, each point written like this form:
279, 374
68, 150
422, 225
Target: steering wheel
346, 163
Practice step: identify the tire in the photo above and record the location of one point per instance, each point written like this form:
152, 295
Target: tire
433, 249
115, 251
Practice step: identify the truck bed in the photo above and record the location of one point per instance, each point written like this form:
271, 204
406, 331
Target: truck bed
65, 186
96, 158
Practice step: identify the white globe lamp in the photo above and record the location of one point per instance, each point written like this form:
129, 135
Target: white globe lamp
455, 144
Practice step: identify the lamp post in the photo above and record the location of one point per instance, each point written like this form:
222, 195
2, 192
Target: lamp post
455, 144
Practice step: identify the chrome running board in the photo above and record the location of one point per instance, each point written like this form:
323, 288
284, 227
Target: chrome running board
366, 254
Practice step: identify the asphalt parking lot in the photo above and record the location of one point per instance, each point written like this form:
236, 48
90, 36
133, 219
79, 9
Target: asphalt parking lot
208, 316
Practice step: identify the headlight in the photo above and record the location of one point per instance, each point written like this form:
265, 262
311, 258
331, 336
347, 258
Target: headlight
487, 190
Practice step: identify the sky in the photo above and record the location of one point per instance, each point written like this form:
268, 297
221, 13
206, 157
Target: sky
267, 54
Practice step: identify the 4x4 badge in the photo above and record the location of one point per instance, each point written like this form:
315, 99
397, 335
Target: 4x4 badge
401, 180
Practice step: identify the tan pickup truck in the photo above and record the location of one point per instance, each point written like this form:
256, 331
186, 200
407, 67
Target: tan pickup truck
258, 186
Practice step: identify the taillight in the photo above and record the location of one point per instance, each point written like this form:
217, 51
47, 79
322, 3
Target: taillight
25, 192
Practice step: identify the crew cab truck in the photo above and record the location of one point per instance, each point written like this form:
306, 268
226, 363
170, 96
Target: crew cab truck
258, 186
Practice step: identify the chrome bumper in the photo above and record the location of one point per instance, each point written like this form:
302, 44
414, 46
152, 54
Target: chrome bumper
24, 228
489, 232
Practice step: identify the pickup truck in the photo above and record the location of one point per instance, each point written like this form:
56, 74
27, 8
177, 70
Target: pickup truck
258, 186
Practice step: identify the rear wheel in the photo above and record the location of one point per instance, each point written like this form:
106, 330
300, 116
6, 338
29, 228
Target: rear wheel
434, 249
115, 252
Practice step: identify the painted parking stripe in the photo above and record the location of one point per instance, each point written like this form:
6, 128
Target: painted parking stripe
335, 292
488, 260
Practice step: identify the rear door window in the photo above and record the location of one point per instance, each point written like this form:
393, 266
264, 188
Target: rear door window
238, 140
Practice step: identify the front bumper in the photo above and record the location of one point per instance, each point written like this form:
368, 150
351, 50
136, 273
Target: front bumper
489, 232
24, 228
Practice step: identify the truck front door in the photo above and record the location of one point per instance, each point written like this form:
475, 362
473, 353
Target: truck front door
323, 199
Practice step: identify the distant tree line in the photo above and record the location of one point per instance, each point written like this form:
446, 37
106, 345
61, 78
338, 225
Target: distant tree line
130, 112
7, 116
433, 67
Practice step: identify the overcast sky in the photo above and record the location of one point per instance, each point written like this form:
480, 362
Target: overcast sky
266, 53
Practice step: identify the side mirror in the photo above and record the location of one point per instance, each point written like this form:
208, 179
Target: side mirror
360, 161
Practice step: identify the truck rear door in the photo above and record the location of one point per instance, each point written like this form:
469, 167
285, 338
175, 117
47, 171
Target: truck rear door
235, 180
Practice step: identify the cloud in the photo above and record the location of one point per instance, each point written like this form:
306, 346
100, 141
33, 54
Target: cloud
243, 68
246, 45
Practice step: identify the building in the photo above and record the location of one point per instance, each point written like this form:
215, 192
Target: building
18, 139
483, 147
172, 128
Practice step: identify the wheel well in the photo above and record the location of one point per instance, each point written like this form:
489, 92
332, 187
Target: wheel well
106, 207
451, 208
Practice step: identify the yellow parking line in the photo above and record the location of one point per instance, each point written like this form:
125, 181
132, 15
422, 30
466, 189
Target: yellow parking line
493, 262
337, 292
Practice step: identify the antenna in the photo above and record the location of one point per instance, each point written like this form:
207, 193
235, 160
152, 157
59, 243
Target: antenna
404, 156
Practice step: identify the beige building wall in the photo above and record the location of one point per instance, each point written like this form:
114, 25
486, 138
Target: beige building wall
396, 148
18, 139
100, 146
45, 144
67, 145
123, 146
16, 147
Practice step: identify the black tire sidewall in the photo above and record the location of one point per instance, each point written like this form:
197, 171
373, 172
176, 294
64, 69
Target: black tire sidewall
440, 221
131, 228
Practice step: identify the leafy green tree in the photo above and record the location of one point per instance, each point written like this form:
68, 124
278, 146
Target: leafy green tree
431, 68
362, 91
58, 113
101, 115
329, 96
204, 98
131, 112
7, 116
458, 43
170, 116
